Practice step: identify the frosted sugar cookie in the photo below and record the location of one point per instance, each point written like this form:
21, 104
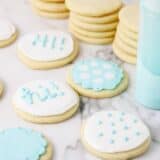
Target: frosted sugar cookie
47, 49
95, 20
101, 7
94, 27
24, 144
56, 15
92, 40
115, 135
124, 56
49, 6
91, 34
97, 78
129, 16
45, 101
8, 33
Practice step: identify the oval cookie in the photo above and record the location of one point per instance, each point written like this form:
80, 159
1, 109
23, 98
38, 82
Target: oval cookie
45, 101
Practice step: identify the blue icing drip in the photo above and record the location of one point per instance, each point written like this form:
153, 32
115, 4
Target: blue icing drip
41, 94
97, 74
21, 144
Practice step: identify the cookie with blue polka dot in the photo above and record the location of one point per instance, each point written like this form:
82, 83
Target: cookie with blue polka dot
45, 101
97, 78
115, 135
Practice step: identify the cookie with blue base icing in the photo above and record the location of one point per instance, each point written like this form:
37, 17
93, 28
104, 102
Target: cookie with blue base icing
45, 101
115, 135
97, 78
23, 144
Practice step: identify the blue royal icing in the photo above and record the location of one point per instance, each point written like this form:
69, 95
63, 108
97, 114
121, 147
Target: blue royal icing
97, 74
21, 144
41, 94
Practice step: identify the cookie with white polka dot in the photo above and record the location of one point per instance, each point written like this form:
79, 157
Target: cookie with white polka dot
97, 78
115, 135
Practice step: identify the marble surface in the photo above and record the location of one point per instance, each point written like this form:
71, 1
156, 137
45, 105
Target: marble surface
65, 136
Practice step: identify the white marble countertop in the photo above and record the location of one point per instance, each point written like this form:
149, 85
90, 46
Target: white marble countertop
65, 136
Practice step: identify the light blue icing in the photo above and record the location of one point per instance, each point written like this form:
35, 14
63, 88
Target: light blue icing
46, 41
21, 144
41, 94
147, 87
97, 74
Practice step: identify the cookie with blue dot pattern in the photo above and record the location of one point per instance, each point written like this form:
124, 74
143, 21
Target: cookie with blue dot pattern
115, 135
97, 78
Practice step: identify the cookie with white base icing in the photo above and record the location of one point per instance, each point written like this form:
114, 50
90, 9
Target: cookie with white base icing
23, 144
97, 78
45, 101
8, 32
47, 49
115, 135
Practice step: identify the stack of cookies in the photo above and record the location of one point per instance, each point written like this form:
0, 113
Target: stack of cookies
96, 24
126, 40
50, 8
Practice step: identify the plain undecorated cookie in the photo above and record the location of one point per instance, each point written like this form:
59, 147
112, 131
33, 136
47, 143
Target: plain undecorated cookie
96, 20
101, 7
97, 78
91, 34
45, 101
23, 143
94, 27
124, 56
115, 135
8, 33
129, 16
55, 49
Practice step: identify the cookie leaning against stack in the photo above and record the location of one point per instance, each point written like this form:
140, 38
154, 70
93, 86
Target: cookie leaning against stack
50, 8
125, 43
96, 24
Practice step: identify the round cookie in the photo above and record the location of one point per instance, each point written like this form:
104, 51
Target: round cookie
90, 34
97, 78
95, 20
125, 31
22, 143
129, 16
120, 53
49, 6
56, 15
127, 48
115, 135
47, 49
58, 1
1, 88
100, 41
8, 33
101, 7
45, 101
94, 27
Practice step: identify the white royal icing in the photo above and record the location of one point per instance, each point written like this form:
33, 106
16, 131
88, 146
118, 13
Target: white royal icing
114, 131
46, 45
45, 98
6, 29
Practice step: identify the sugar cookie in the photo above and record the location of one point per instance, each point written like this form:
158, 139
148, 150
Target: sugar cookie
115, 135
97, 78
94, 27
45, 101
8, 33
101, 7
91, 34
1, 88
95, 20
57, 15
100, 41
49, 6
129, 16
47, 49
120, 53
23, 144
